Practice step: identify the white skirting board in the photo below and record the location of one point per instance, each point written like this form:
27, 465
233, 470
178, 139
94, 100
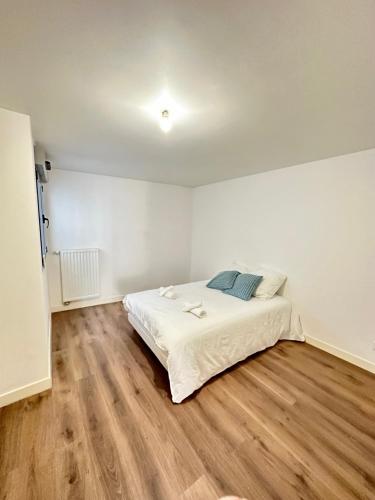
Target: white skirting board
25, 391
87, 303
340, 353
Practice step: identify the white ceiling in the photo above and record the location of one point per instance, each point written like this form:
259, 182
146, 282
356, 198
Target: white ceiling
264, 83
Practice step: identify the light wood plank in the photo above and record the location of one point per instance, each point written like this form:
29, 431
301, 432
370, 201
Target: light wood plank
290, 422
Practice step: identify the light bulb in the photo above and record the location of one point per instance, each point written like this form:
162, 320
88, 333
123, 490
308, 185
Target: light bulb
165, 121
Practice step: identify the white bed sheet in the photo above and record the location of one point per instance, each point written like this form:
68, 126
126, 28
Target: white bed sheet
199, 348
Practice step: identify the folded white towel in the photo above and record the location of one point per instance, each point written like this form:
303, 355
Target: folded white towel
199, 312
188, 306
194, 308
164, 289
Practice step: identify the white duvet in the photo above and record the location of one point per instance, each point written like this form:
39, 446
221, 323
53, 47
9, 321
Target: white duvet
199, 348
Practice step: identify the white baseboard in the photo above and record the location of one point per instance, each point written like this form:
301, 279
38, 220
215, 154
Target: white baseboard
87, 303
340, 353
25, 391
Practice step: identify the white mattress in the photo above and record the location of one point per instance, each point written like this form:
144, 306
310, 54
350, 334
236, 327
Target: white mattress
197, 349
148, 339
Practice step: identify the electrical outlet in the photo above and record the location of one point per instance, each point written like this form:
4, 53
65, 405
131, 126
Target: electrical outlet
373, 345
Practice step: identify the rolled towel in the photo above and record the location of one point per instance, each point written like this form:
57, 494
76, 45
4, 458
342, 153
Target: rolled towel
169, 295
199, 312
164, 289
188, 306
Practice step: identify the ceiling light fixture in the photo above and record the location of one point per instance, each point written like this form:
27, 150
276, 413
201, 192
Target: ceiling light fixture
165, 111
165, 121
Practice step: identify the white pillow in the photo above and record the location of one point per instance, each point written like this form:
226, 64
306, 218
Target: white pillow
270, 284
235, 266
239, 266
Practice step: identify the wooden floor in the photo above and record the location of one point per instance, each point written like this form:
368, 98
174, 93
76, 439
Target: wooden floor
291, 422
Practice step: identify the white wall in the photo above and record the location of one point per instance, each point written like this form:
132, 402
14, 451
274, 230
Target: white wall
312, 221
315, 222
143, 230
24, 312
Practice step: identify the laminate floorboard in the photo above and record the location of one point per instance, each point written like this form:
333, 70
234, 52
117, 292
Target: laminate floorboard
291, 422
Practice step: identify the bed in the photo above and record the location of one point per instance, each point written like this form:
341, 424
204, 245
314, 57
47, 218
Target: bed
195, 349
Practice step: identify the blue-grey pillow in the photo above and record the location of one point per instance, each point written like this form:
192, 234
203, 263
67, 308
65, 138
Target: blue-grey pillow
244, 286
223, 280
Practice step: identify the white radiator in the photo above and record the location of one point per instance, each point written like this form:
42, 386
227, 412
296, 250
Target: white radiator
79, 274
